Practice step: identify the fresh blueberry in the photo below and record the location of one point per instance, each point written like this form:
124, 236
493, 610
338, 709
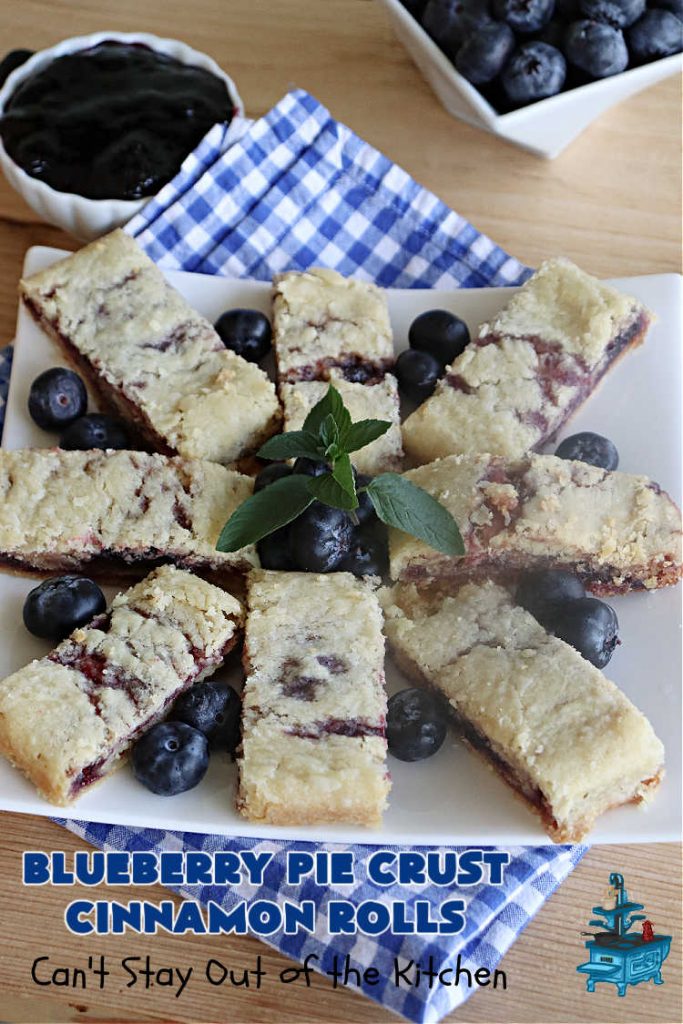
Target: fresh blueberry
247, 332
440, 333
589, 626
596, 49
310, 467
483, 54
95, 431
369, 551
539, 592
171, 758
674, 6
276, 471
534, 72
657, 34
617, 13
366, 510
524, 16
57, 398
591, 448
416, 724
320, 538
57, 606
417, 374
275, 550
448, 22
11, 61
213, 708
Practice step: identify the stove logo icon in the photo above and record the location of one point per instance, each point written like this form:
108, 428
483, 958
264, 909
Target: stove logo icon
618, 955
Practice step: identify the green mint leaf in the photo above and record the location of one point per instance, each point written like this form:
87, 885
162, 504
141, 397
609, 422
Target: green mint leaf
363, 432
326, 489
292, 445
343, 474
329, 433
273, 507
402, 504
330, 404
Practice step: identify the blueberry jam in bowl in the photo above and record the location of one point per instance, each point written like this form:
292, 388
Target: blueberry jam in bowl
92, 128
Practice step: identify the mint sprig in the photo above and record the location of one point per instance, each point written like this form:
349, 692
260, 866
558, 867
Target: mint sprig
329, 436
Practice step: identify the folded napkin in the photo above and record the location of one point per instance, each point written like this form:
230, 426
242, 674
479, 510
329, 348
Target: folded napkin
291, 190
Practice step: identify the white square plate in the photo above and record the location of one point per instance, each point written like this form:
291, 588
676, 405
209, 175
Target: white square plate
451, 798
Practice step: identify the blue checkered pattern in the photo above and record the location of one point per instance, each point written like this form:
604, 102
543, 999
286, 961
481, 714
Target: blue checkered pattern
293, 189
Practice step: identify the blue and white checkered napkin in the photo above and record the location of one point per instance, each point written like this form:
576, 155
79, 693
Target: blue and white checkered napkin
287, 191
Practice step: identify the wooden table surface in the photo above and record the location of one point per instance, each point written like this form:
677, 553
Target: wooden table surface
612, 202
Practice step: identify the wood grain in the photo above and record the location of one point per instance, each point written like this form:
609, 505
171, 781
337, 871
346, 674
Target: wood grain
612, 201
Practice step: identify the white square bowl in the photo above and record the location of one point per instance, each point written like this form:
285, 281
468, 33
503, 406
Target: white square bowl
545, 128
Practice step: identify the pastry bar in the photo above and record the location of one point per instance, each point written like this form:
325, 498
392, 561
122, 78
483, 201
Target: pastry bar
529, 369
314, 706
325, 324
364, 401
328, 327
66, 510
618, 532
67, 720
548, 722
151, 358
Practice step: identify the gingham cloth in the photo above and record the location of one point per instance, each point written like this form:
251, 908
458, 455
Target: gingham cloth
293, 189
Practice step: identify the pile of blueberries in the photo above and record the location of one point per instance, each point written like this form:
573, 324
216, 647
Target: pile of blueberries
519, 51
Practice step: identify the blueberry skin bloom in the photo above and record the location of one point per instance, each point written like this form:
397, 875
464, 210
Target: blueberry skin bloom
675, 6
448, 22
657, 34
483, 54
594, 449
171, 758
57, 398
524, 16
617, 13
598, 50
534, 72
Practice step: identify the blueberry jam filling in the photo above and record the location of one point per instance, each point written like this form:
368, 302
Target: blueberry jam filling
354, 369
111, 122
355, 728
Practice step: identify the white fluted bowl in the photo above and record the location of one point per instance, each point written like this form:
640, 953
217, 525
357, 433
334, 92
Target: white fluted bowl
82, 217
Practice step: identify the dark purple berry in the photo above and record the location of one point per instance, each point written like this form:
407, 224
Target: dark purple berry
171, 758
524, 16
416, 724
59, 605
448, 22
11, 61
95, 431
658, 34
535, 71
589, 626
57, 398
617, 13
320, 538
440, 333
594, 449
484, 53
276, 471
417, 374
274, 550
369, 551
539, 592
247, 332
310, 467
596, 49
214, 708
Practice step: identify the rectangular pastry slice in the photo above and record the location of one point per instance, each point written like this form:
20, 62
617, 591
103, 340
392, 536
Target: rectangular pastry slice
67, 510
314, 706
151, 357
68, 720
618, 532
364, 401
328, 327
550, 724
529, 369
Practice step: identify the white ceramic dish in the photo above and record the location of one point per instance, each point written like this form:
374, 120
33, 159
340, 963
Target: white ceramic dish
90, 218
545, 128
451, 798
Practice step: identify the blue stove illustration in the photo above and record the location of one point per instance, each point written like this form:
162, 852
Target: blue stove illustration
618, 957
